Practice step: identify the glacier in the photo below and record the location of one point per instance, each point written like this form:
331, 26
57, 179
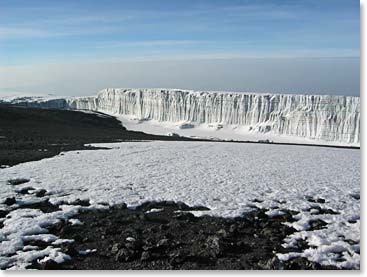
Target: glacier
328, 118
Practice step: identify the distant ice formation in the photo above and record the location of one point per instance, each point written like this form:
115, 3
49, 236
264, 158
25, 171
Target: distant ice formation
319, 117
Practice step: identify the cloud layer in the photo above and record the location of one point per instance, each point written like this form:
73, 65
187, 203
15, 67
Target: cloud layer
283, 75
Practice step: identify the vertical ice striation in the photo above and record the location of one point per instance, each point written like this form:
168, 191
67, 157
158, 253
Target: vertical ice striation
321, 117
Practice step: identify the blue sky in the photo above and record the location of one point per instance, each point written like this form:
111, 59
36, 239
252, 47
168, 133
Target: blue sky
36, 33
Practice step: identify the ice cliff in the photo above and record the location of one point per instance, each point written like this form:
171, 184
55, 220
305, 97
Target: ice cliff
321, 117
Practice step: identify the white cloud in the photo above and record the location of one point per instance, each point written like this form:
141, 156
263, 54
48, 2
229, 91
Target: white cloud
22, 32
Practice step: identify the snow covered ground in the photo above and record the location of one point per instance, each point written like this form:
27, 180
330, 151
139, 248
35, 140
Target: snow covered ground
216, 132
226, 177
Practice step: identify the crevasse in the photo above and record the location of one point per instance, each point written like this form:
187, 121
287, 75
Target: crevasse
321, 117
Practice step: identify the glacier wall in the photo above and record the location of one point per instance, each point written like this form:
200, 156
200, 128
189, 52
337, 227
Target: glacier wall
321, 117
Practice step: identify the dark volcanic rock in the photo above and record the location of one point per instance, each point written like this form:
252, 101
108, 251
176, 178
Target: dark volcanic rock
115, 248
316, 200
121, 206
44, 206
133, 239
25, 190
70, 250
303, 263
146, 256
356, 196
49, 265
54, 131
3, 213
214, 246
41, 193
317, 224
125, 255
320, 210
18, 181
10, 201
80, 202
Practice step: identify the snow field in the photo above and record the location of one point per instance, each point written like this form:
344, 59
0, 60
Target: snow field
228, 178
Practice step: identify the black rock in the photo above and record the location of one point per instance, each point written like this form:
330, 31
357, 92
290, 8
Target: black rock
316, 200
68, 230
322, 210
146, 256
121, 206
233, 228
163, 227
257, 200
214, 246
49, 265
301, 263
18, 181
125, 255
199, 208
144, 217
204, 256
186, 216
301, 244
134, 245
262, 215
179, 256
267, 232
3, 213
115, 248
70, 250
222, 233
41, 193
44, 206
163, 243
242, 247
356, 196
184, 242
24, 190
317, 224
129, 232
182, 206
271, 264
79, 202
10, 201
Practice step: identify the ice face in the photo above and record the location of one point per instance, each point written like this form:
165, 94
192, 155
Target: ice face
320, 117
